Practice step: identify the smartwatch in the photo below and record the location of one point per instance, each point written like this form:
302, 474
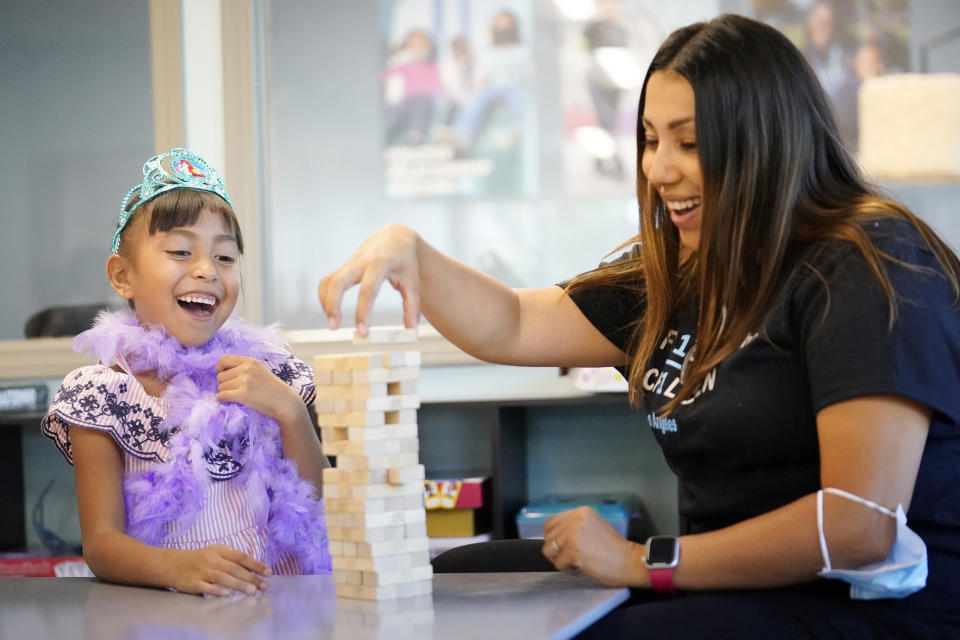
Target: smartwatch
663, 555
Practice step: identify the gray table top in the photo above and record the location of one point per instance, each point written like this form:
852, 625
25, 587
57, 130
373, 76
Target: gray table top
462, 606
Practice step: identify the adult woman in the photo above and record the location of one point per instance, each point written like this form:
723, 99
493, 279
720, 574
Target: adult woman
788, 330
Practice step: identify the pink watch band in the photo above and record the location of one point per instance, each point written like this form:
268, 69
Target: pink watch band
662, 580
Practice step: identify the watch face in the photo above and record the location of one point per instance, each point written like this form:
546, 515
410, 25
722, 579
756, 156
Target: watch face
663, 550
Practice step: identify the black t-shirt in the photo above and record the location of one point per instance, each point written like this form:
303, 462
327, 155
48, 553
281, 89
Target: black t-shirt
747, 442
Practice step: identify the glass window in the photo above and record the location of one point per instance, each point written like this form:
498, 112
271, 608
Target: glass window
501, 132
489, 128
76, 122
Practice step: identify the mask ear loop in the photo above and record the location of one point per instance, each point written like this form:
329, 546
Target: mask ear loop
849, 496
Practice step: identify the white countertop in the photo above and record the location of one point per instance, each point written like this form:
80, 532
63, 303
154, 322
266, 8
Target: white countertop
528, 606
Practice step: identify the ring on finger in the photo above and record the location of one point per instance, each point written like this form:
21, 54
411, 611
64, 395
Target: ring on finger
556, 547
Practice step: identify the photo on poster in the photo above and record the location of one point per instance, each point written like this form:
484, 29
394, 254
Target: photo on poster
604, 52
846, 42
458, 99
604, 49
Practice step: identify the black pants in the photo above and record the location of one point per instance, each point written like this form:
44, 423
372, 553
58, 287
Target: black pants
808, 611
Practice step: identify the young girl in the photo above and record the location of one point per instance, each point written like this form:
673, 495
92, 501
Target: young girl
196, 462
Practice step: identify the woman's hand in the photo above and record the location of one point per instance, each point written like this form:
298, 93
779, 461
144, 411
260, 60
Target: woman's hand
389, 254
580, 541
477, 313
217, 571
249, 382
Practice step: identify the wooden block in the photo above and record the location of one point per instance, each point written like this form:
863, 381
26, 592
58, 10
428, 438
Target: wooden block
370, 376
399, 503
404, 416
398, 576
377, 335
380, 447
402, 475
412, 501
336, 491
329, 362
380, 432
415, 530
343, 376
392, 547
402, 387
368, 534
372, 505
373, 360
355, 476
334, 434
382, 519
383, 563
389, 461
350, 390
355, 505
331, 476
385, 403
404, 359
379, 490
351, 419
393, 497
322, 377
335, 546
334, 404
344, 576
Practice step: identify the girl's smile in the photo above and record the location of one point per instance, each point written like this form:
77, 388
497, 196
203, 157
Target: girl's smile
199, 304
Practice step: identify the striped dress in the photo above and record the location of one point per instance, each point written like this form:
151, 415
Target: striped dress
97, 397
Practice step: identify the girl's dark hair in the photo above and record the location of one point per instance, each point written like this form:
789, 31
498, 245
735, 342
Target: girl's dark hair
776, 177
179, 208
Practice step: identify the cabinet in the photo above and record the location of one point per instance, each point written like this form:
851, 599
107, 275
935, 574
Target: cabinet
535, 448
12, 525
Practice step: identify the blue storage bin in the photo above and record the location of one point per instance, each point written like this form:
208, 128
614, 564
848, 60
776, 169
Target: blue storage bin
616, 510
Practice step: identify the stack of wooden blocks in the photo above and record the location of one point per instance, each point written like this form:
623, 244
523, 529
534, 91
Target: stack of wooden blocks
367, 412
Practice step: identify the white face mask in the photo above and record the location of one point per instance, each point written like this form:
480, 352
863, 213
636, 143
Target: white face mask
901, 573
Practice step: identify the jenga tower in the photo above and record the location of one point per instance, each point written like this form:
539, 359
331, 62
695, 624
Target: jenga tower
367, 411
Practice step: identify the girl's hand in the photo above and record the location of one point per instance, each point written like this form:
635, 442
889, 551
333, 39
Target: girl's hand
249, 382
580, 541
217, 571
391, 254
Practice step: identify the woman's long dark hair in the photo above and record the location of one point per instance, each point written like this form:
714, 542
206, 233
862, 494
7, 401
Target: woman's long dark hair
776, 178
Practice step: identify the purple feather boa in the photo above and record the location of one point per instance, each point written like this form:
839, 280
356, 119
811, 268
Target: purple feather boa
168, 499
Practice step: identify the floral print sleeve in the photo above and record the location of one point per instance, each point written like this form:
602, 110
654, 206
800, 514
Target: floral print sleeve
296, 373
97, 397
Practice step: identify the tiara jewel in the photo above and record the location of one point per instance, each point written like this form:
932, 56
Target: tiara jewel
184, 170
